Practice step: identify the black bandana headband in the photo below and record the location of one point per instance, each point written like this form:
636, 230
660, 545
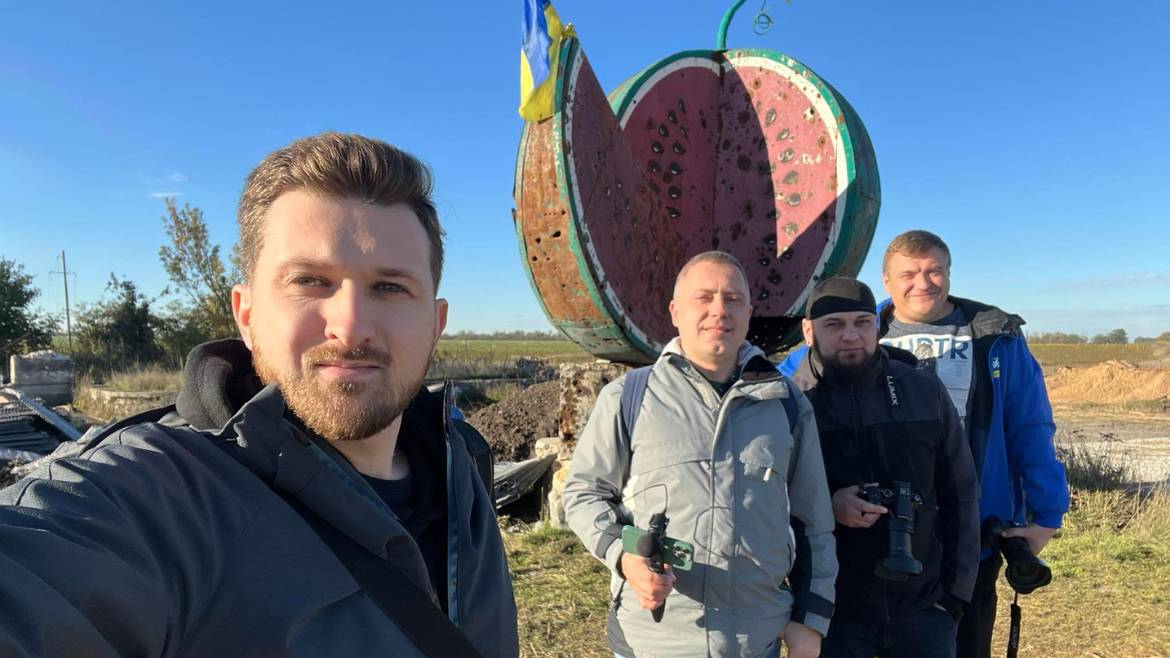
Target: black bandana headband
840, 294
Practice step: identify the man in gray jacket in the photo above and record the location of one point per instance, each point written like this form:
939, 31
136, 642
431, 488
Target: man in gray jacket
716, 450
306, 496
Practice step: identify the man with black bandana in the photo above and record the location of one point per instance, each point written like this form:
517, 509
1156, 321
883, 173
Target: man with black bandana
883, 421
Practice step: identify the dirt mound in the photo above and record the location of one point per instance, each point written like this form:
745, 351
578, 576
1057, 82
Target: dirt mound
1110, 382
513, 425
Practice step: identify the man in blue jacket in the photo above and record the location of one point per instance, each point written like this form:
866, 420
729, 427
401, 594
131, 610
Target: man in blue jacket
979, 353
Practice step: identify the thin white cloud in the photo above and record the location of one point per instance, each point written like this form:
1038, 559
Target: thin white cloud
1130, 279
163, 195
177, 177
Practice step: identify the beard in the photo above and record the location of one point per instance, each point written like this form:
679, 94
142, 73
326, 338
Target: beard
839, 371
338, 410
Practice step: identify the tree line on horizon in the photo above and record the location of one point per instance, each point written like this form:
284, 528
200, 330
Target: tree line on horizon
126, 329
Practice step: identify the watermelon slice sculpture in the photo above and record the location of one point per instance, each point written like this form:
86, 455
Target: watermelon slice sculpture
747, 151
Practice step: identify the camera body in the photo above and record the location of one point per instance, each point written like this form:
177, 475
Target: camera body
1025, 572
899, 498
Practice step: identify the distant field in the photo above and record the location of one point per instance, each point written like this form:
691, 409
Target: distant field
1054, 355
502, 349
484, 358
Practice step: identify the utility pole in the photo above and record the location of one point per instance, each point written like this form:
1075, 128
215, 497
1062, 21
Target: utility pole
65, 277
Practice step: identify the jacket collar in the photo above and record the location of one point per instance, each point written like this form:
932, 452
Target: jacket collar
984, 319
750, 362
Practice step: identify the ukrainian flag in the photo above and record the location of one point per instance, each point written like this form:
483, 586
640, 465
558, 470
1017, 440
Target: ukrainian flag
540, 49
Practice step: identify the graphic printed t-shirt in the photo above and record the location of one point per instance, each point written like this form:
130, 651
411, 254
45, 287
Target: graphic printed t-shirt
943, 346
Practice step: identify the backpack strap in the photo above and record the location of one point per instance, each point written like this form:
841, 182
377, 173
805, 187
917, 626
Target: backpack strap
790, 408
632, 393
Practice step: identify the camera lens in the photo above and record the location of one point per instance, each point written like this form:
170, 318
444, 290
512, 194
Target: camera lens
1025, 572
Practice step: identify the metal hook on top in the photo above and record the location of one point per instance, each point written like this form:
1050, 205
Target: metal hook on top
762, 21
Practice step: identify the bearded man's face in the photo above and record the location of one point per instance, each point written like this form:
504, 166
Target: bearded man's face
341, 311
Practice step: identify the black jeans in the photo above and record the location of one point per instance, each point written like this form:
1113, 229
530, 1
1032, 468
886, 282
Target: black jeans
979, 617
928, 633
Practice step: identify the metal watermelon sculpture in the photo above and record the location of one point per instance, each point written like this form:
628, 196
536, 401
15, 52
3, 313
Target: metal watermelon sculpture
743, 150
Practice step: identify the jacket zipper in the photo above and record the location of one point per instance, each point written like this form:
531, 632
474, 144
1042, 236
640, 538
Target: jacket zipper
854, 408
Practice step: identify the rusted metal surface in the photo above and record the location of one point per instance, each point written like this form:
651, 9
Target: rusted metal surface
746, 151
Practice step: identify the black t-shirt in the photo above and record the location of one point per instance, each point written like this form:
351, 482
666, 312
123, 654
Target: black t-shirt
418, 503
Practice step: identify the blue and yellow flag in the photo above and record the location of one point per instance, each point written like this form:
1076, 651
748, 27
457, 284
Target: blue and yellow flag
540, 49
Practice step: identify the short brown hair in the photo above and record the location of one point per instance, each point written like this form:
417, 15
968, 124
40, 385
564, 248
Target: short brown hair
342, 166
721, 257
915, 244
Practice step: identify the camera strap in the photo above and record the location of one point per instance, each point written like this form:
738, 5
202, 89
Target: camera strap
1013, 645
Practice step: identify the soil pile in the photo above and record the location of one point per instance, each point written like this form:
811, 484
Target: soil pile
514, 424
1110, 382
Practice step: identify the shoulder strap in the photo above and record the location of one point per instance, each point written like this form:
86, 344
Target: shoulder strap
790, 408
632, 393
413, 611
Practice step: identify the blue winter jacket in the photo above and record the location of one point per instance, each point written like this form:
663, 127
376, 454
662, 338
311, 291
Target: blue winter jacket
1009, 420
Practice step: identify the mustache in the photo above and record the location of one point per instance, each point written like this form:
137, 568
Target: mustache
326, 353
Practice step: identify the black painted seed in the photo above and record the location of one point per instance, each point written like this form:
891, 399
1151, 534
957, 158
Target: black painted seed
662, 130
678, 148
674, 192
672, 116
774, 279
674, 213
656, 147
674, 168
654, 167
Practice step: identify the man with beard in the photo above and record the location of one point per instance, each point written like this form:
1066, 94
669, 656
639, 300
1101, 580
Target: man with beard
889, 429
306, 496
727, 448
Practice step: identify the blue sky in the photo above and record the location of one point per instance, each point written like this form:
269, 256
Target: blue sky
1030, 134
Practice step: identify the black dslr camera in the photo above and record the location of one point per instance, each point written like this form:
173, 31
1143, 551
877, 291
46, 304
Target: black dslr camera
898, 563
1025, 572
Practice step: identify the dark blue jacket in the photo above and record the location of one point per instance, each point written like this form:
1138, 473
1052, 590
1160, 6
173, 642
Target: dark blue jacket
1009, 420
167, 540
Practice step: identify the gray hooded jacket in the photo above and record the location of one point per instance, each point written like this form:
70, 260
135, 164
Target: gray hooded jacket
165, 540
750, 495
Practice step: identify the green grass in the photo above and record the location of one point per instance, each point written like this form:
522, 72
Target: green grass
1110, 594
1054, 355
561, 594
484, 359
505, 349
